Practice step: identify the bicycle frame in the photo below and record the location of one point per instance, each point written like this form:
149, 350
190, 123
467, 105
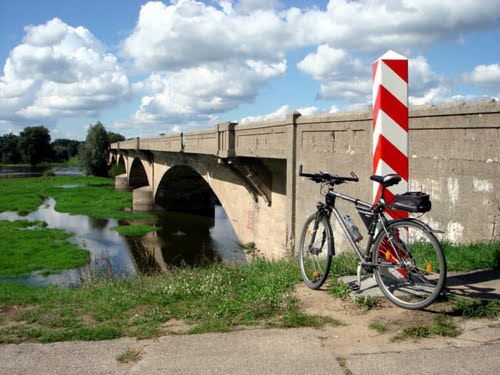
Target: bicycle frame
378, 217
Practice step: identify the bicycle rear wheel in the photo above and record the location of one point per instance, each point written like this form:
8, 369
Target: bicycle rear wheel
316, 250
410, 267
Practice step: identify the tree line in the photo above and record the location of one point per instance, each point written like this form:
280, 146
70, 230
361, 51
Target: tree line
33, 146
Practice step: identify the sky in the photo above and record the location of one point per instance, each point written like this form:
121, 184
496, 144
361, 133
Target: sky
143, 68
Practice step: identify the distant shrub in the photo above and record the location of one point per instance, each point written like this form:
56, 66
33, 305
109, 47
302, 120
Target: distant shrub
48, 173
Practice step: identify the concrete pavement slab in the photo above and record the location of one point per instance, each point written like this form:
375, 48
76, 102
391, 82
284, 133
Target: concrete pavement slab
484, 360
291, 351
62, 358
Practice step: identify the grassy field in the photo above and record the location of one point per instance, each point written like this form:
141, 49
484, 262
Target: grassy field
217, 298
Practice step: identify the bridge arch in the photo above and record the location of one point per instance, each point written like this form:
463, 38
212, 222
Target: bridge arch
137, 176
121, 162
182, 188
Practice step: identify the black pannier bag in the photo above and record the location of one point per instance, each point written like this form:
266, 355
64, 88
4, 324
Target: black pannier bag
412, 201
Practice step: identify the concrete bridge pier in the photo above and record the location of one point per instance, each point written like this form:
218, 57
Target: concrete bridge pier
121, 182
143, 199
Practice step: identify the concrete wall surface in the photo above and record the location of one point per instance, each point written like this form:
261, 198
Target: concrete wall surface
454, 155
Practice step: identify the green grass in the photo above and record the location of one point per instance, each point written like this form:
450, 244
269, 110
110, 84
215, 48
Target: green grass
440, 325
340, 290
475, 256
343, 264
379, 327
94, 197
472, 308
215, 299
459, 257
134, 230
29, 247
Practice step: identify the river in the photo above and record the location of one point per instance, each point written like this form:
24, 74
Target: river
182, 240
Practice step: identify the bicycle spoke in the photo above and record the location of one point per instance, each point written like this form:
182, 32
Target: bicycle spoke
315, 258
411, 267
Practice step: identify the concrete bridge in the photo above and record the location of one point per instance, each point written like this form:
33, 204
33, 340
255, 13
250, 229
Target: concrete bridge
251, 169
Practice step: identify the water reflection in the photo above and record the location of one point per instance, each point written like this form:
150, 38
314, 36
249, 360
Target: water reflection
36, 171
188, 239
183, 239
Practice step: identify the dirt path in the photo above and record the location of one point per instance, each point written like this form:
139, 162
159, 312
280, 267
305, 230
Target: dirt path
355, 336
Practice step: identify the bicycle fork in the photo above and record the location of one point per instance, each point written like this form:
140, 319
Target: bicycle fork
312, 249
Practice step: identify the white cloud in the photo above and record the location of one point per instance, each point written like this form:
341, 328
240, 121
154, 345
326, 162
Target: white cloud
378, 25
59, 70
341, 77
280, 113
485, 76
425, 85
197, 93
187, 33
306, 111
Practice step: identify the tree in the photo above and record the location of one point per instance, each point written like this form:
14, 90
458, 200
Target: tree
34, 144
115, 137
9, 149
93, 153
63, 146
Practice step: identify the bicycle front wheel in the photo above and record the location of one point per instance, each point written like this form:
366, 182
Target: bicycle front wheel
410, 267
315, 250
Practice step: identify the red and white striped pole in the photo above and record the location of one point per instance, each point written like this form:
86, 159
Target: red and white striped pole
390, 123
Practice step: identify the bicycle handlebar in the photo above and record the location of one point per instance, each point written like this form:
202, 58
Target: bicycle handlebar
327, 177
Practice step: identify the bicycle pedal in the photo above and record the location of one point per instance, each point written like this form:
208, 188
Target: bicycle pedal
353, 286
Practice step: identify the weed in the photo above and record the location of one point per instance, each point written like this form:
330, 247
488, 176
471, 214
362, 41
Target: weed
48, 173
471, 308
378, 326
250, 249
344, 264
295, 319
444, 326
367, 302
340, 290
343, 363
441, 325
129, 355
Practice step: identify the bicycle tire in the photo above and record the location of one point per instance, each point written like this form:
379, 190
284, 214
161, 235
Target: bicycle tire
316, 251
410, 266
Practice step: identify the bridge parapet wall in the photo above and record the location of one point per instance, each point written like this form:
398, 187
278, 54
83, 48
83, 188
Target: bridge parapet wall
168, 143
263, 140
201, 142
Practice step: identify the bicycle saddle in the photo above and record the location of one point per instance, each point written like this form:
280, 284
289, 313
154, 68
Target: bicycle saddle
387, 180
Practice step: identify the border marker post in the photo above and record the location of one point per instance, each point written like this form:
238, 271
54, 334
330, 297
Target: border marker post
390, 123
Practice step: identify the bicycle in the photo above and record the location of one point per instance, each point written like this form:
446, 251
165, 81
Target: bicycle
404, 255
